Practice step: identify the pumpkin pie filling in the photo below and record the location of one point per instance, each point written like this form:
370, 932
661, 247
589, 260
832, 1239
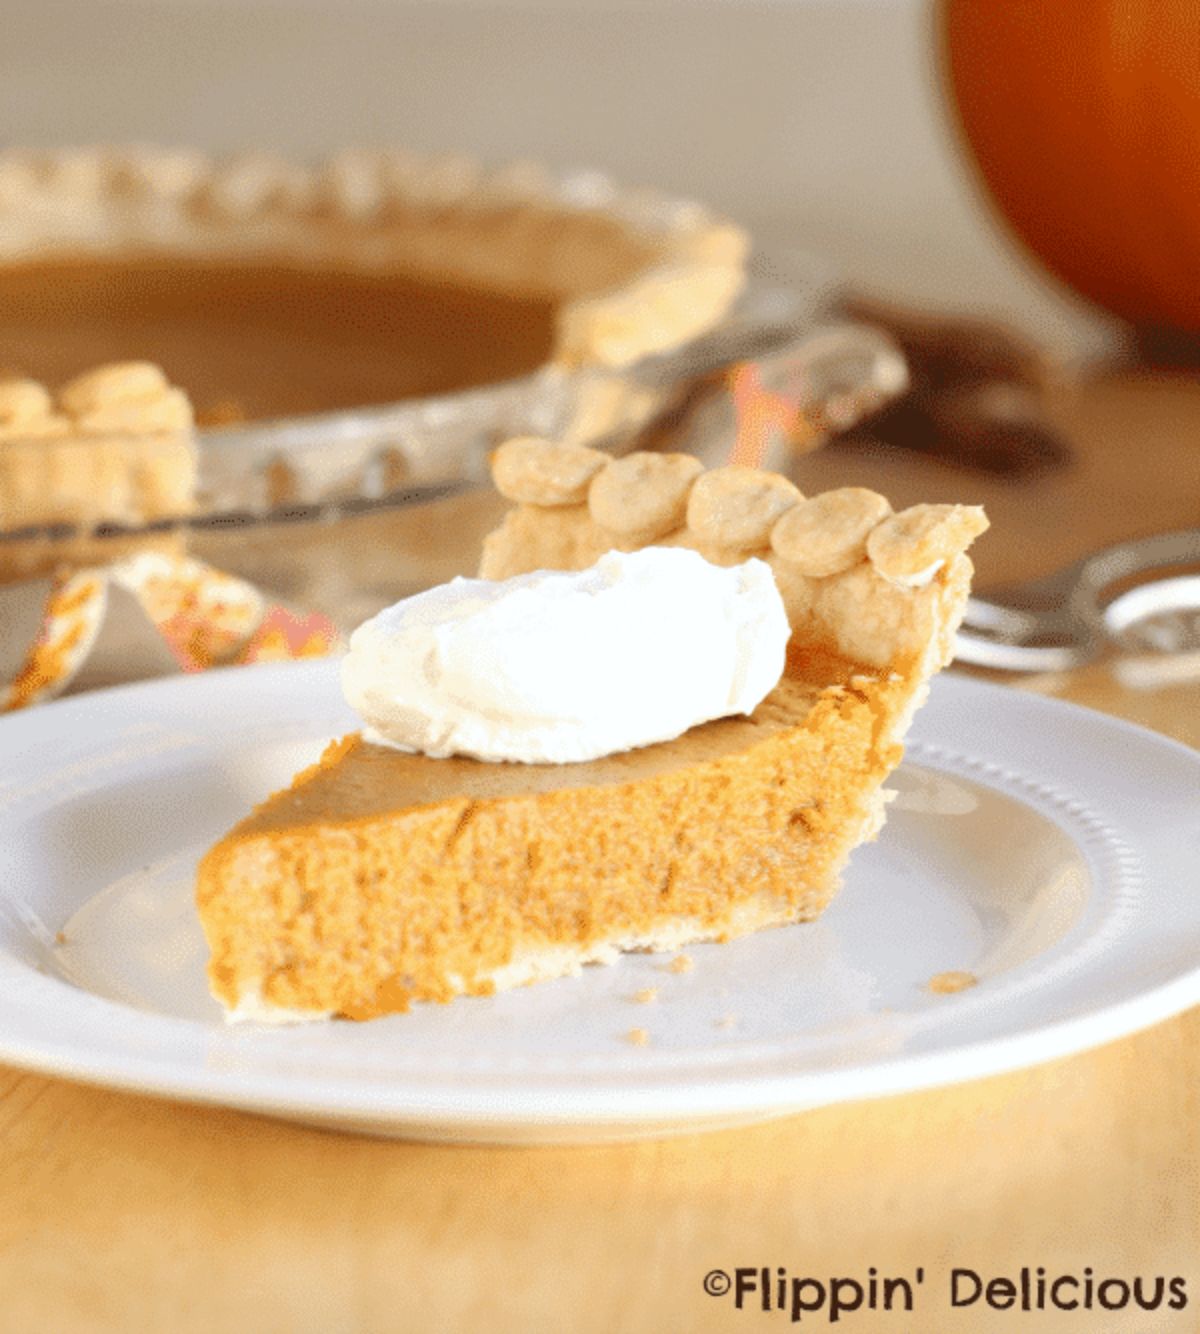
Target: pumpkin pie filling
380, 878
270, 339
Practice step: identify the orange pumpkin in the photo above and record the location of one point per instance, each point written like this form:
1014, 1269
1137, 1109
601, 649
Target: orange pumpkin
1084, 119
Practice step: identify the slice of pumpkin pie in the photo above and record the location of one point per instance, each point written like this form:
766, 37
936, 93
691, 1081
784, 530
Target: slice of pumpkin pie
664, 715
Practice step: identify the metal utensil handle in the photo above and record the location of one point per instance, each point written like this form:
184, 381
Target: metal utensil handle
1006, 637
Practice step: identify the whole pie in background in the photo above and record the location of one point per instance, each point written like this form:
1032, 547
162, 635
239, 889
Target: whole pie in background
273, 289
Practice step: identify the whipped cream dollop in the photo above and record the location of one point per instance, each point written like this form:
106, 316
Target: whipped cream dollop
555, 667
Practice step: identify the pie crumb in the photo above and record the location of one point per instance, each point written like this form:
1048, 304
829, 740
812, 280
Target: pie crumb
646, 995
727, 1021
638, 1036
60, 938
682, 963
946, 984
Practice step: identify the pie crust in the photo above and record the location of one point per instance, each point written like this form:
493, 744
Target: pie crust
113, 446
379, 878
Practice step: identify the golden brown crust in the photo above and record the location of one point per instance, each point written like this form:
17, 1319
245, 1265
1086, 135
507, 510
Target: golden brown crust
533, 471
643, 496
828, 534
114, 446
736, 508
26, 407
906, 545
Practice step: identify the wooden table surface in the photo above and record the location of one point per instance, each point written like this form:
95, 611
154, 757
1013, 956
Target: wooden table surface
126, 1214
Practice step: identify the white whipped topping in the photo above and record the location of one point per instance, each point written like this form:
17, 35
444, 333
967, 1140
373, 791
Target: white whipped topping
555, 667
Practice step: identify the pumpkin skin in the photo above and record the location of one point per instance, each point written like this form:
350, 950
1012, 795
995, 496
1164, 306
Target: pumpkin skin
1083, 117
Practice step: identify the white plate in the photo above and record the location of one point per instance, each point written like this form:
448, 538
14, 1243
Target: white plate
1049, 850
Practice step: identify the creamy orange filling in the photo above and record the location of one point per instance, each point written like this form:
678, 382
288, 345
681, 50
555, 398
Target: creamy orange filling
254, 340
381, 878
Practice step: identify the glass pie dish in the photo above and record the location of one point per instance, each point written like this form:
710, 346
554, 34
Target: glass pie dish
344, 473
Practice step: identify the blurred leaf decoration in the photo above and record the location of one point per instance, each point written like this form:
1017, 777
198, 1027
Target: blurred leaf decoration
975, 399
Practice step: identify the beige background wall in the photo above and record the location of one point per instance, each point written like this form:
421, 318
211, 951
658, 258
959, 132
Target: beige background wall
818, 122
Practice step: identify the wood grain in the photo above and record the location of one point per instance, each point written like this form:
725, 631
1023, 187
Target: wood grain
119, 1213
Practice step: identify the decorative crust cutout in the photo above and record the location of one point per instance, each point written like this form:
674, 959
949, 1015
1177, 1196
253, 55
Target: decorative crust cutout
113, 446
536, 472
855, 578
643, 496
828, 534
